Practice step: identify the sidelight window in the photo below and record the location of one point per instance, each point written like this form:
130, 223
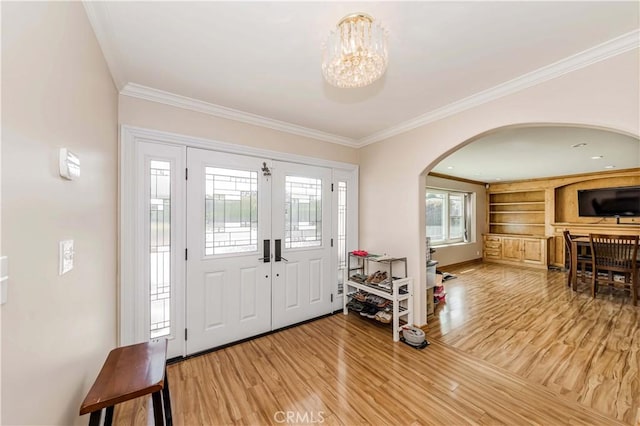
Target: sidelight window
160, 248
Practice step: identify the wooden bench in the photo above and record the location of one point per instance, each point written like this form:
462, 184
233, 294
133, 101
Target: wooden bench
131, 372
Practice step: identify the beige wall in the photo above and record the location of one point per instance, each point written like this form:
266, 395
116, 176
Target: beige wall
152, 115
604, 94
457, 253
57, 92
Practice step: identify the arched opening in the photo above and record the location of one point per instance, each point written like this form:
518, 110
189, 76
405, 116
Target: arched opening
538, 153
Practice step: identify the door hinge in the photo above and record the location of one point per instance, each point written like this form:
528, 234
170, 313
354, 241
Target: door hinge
185, 334
331, 297
186, 254
331, 187
332, 242
186, 174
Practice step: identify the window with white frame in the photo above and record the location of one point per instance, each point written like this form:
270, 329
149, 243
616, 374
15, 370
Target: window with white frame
448, 216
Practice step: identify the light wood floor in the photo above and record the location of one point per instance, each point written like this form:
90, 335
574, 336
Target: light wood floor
511, 346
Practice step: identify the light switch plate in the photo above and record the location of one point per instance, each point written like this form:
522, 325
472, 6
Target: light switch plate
66, 256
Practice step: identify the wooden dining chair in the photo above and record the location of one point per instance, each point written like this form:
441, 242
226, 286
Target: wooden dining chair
584, 261
615, 257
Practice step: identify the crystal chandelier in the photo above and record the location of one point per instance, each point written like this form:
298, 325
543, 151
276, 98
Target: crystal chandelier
355, 53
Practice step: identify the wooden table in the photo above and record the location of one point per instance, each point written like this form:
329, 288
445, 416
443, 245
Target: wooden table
577, 242
131, 372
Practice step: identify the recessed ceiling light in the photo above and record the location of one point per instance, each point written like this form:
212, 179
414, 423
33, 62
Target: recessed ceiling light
597, 157
450, 167
579, 145
609, 167
498, 178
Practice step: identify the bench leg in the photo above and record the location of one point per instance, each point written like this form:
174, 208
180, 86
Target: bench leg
158, 417
94, 419
166, 398
108, 417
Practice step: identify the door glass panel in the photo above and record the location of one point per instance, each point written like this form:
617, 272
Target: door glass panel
231, 211
303, 212
160, 249
342, 233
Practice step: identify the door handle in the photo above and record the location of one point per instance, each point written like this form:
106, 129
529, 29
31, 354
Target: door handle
266, 250
279, 251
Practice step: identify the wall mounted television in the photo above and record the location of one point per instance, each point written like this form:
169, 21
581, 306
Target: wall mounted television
609, 202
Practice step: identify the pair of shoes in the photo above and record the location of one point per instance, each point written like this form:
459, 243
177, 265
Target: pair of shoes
359, 278
384, 317
372, 277
360, 296
374, 300
356, 306
369, 311
381, 276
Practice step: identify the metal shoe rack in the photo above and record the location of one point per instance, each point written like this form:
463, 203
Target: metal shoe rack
400, 292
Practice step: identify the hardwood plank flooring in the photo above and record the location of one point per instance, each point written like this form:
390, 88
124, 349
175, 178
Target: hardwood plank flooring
529, 323
511, 346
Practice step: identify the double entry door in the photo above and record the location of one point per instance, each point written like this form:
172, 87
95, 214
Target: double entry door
258, 246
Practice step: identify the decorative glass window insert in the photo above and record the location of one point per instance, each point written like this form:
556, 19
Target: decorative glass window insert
160, 249
231, 211
448, 216
342, 234
303, 212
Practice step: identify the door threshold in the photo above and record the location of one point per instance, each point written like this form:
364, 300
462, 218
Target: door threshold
177, 359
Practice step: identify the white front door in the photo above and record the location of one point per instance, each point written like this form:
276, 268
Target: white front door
301, 225
228, 222
259, 246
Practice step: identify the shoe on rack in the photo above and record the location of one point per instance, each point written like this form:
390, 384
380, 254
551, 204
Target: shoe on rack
372, 277
355, 305
360, 296
384, 317
371, 312
380, 277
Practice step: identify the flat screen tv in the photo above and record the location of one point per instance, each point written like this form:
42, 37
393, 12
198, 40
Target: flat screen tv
605, 202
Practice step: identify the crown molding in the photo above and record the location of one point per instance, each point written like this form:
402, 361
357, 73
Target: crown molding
167, 98
608, 49
98, 15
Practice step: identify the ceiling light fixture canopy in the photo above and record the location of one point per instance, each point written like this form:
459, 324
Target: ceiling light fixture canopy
355, 53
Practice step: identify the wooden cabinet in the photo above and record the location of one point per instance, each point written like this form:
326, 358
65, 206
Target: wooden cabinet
512, 249
516, 250
492, 247
534, 251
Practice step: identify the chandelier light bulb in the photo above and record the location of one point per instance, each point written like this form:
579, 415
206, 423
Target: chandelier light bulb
355, 53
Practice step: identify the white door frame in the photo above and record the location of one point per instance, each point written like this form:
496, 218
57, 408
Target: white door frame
132, 314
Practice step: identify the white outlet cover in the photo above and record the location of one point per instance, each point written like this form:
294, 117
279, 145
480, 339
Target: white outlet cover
66, 256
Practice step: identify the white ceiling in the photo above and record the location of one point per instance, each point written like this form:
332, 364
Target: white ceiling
536, 152
262, 59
